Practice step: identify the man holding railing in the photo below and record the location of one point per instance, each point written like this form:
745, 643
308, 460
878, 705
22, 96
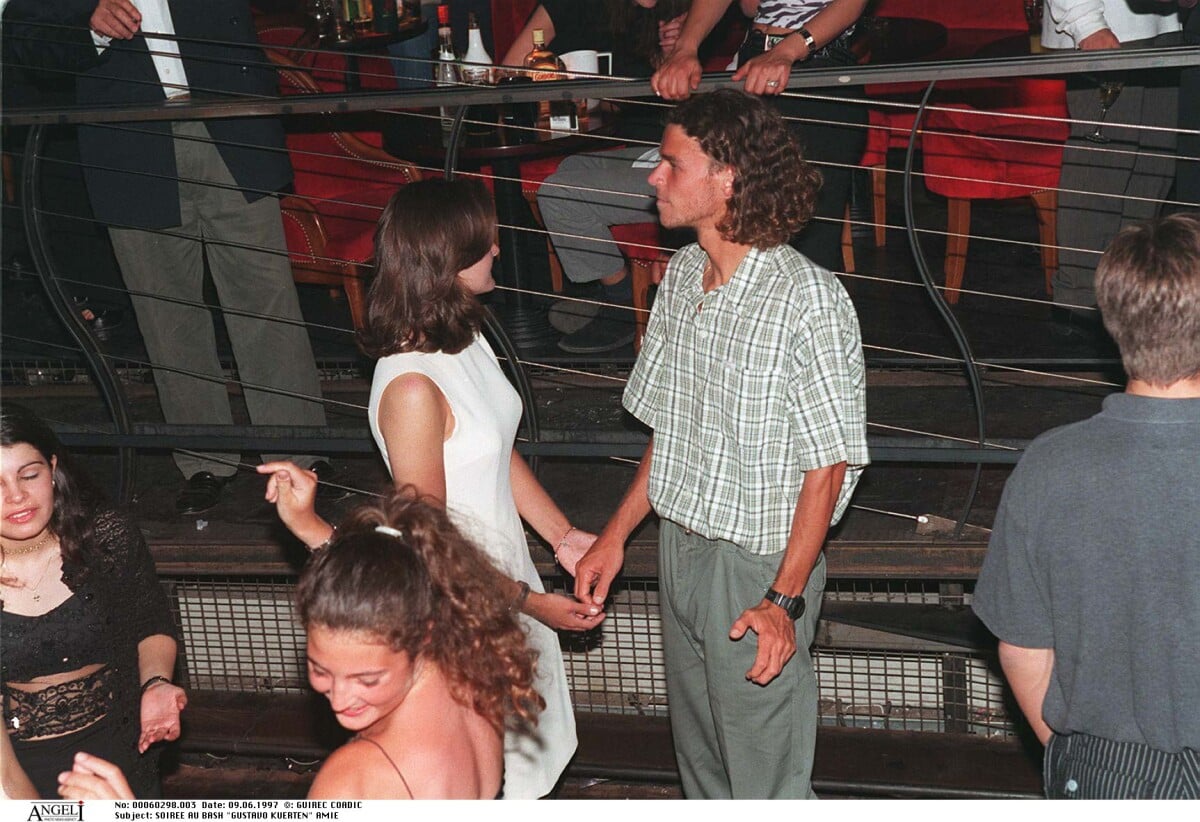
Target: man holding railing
1122, 173
179, 195
751, 377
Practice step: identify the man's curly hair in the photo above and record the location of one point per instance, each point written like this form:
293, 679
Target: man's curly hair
774, 188
431, 594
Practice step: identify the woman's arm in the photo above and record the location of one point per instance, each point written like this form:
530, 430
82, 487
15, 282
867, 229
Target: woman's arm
161, 700
93, 778
415, 420
14, 784
293, 492
538, 509
533, 503
540, 19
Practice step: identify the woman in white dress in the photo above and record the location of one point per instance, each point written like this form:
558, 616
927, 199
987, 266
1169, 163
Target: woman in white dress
445, 419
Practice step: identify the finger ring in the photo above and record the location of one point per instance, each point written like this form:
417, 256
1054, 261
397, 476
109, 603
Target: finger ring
772, 83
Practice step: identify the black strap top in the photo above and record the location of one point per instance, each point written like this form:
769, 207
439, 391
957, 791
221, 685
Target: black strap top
390, 762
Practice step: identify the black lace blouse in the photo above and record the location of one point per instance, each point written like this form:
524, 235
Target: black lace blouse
116, 602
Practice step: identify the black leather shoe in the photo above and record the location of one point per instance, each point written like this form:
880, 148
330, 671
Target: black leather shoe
330, 485
200, 492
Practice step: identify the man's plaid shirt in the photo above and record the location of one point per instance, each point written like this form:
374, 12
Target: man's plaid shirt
746, 388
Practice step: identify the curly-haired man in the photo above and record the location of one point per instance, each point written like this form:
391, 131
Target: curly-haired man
751, 377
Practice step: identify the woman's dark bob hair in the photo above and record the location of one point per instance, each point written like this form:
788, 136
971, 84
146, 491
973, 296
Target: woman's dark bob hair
429, 232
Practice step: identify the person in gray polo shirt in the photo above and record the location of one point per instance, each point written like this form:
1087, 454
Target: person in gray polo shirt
751, 377
1092, 577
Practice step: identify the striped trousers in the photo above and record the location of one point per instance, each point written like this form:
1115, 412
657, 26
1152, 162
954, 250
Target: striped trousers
1079, 766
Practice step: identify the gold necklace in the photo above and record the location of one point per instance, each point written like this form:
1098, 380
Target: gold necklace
29, 549
33, 590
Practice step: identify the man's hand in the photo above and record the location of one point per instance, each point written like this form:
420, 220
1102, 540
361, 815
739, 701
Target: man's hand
563, 613
768, 73
161, 704
776, 639
596, 570
678, 76
118, 19
1103, 39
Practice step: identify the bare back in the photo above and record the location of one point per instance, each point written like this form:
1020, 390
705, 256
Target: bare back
430, 747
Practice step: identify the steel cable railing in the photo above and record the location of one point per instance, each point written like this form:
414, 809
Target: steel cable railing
472, 94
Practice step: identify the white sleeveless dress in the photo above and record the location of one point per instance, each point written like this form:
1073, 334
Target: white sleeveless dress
479, 497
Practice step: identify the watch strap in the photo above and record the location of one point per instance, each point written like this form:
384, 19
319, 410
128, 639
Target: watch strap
794, 606
810, 42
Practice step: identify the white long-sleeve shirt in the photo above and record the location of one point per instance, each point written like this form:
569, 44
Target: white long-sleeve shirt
156, 18
1066, 22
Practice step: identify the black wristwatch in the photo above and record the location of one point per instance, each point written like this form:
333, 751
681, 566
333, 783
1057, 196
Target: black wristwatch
794, 606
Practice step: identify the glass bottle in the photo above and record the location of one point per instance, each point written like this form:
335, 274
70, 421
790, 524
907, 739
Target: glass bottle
445, 70
478, 63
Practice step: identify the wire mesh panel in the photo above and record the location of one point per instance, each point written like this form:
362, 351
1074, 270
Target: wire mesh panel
240, 634
618, 669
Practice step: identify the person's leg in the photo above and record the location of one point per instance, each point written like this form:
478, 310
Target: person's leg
683, 563
164, 272
583, 198
248, 262
767, 734
580, 202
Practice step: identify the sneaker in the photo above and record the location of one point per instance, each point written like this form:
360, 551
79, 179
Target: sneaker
611, 329
568, 316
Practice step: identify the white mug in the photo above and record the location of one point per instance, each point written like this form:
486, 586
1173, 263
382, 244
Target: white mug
585, 63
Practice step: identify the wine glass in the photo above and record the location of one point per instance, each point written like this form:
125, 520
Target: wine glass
1110, 90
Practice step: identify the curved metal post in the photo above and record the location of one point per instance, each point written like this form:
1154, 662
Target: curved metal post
520, 378
64, 306
939, 303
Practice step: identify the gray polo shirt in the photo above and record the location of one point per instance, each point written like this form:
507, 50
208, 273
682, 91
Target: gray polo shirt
1096, 554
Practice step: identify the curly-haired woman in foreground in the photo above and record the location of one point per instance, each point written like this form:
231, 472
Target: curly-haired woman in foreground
417, 651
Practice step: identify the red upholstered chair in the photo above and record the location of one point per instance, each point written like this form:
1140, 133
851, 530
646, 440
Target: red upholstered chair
970, 29
342, 181
977, 150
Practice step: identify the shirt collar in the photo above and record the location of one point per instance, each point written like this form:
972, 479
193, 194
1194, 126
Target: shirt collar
745, 279
1136, 408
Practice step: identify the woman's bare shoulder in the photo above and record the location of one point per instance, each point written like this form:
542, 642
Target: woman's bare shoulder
357, 770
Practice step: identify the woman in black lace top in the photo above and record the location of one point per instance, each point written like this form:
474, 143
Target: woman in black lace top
87, 643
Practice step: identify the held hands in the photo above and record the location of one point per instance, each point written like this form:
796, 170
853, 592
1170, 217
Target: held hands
572, 547
776, 639
161, 704
596, 570
562, 613
118, 19
93, 778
